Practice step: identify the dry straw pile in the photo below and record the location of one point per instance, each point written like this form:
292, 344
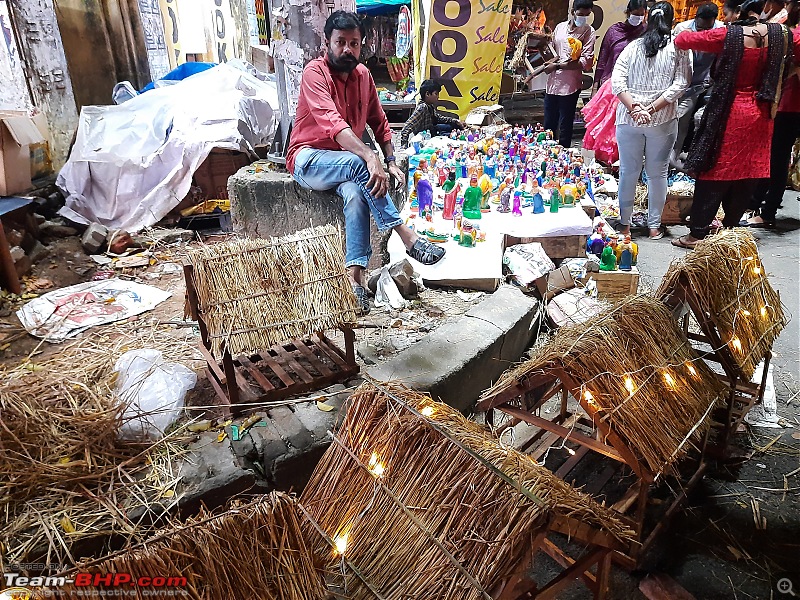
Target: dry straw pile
254, 294
254, 551
64, 476
440, 490
726, 276
640, 374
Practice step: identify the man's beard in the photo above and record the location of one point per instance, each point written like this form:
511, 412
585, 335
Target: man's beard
344, 64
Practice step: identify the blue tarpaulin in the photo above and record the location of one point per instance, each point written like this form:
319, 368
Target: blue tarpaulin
380, 7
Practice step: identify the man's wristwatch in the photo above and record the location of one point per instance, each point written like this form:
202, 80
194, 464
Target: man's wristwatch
389, 159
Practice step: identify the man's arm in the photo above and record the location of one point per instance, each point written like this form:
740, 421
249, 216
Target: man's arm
415, 124
443, 119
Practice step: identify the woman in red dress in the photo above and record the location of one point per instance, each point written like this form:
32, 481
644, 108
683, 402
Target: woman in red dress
731, 149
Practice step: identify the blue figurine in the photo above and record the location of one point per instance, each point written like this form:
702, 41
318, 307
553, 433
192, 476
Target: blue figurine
538, 204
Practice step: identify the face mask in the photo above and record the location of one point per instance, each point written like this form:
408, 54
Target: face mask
581, 21
635, 20
763, 16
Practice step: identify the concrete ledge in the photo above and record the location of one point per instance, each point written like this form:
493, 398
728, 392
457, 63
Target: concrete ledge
459, 360
271, 203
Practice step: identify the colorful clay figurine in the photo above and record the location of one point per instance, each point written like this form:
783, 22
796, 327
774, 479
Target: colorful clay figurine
608, 262
595, 245
412, 197
505, 201
555, 200
450, 183
472, 200
450, 201
467, 234
517, 202
626, 254
485, 183
538, 204
425, 196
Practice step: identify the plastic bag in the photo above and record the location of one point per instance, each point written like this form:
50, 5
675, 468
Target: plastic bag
152, 390
387, 293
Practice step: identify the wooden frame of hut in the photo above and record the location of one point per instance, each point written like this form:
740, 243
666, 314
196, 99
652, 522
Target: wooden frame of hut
263, 307
723, 285
646, 406
414, 500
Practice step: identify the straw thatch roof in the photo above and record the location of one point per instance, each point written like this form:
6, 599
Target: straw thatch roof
441, 490
641, 376
731, 285
255, 550
253, 294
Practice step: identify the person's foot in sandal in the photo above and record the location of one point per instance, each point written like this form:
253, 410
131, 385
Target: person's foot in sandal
360, 293
761, 222
425, 252
685, 241
658, 233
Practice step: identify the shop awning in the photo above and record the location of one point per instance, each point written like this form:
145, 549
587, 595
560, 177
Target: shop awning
380, 7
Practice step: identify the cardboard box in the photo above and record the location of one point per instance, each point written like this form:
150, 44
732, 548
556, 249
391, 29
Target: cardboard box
556, 247
485, 115
212, 175
612, 285
41, 158
554, 283
17, 134
676, 210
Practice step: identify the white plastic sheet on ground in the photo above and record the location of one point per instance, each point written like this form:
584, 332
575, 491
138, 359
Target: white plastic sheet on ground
153, 391
133, 163
64, 313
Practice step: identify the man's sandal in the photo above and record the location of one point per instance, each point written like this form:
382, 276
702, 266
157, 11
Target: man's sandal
426, 252
361, 297
682, 243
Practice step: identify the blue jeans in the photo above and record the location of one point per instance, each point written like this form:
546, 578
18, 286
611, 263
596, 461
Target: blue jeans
328, 169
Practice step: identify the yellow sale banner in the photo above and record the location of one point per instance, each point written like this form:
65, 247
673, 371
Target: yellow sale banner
466, 48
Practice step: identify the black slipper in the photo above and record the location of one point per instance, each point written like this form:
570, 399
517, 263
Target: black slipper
426, 252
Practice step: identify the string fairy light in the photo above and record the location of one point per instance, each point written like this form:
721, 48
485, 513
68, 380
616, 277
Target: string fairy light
737, 344
340, 543
427, 411
691, 369
375, 467
669, 379
629, 384
745, 312
763, 312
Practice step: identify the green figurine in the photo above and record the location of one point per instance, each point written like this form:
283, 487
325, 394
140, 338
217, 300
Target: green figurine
555, 201
608, 262
472, 200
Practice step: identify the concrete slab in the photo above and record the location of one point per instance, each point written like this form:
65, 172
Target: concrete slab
271, 203
459, 360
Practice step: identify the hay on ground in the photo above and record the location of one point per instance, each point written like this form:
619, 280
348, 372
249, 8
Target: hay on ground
462, 504
65, 476
729, 281
638, 343
254, 294
255, 550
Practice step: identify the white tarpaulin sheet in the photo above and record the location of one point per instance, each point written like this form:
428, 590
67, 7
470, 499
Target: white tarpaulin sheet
133, 163
64, 313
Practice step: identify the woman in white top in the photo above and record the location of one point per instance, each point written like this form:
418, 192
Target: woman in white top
649, 77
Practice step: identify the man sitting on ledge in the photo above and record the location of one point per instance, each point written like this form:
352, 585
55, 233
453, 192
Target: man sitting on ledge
337, 100
426, 117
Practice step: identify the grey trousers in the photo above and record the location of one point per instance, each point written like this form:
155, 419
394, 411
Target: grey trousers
651, 147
